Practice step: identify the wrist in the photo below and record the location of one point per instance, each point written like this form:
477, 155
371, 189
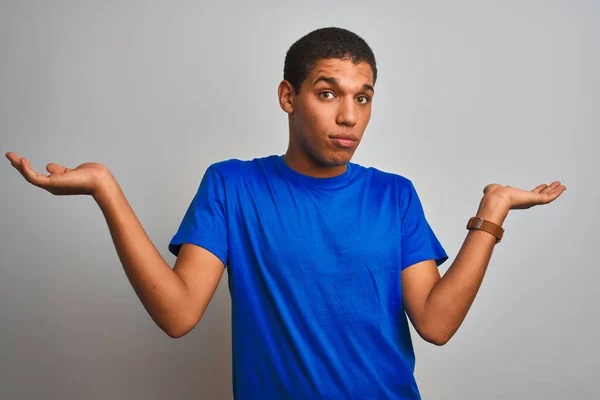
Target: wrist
106, 186
493, 208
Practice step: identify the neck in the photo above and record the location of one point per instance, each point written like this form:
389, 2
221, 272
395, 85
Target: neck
305, 164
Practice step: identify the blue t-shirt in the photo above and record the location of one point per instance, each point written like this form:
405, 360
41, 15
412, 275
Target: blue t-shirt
314, 276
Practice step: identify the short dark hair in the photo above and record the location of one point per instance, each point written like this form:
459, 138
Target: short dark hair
321, 44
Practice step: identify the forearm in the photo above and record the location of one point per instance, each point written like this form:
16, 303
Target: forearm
160, 289
452, 296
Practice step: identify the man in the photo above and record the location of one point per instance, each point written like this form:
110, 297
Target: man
325, 258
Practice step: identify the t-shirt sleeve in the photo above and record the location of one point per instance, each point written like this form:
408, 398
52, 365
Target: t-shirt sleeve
419, 242
205, 222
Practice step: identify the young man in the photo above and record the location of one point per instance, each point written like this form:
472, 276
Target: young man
325, 258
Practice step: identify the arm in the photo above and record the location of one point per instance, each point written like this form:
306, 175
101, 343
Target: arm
436, 305
175, 298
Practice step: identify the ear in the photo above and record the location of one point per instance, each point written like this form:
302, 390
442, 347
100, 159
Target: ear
286, 95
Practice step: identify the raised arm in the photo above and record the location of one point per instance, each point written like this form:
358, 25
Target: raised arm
438, 305
174, 298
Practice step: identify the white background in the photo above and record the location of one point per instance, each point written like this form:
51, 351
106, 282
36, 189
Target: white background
469, 93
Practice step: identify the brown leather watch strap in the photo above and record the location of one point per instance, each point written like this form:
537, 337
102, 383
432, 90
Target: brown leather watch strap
487, 226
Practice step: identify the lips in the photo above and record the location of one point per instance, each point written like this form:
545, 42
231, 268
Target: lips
344, 137
344, 141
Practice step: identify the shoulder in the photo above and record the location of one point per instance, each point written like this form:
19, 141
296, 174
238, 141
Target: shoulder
382, 182
234, 169
381, 177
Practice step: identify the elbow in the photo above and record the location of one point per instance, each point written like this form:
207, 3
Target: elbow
436, 337
178, 329
438, 340
176, 333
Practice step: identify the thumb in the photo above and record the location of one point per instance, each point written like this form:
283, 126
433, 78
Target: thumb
56, 168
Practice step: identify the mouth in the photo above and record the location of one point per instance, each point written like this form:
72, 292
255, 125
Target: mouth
343, 141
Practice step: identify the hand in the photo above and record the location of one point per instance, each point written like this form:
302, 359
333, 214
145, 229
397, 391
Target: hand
519, 199
85, 179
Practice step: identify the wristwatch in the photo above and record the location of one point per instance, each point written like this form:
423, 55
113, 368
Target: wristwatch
487, 226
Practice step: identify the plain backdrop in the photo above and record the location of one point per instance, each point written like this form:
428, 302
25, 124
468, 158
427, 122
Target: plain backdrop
469, 93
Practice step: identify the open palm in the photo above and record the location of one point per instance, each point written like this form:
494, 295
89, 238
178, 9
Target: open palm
83, 179
522, 199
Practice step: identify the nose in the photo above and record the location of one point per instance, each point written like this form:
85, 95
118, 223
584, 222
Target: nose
347, 114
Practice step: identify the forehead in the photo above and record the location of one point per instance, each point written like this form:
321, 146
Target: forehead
343, 70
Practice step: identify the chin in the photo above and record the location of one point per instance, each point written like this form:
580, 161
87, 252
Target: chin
337, 159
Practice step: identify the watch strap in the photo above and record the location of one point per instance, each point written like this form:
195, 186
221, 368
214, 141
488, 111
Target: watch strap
477, 223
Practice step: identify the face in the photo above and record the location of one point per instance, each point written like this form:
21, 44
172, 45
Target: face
329, 116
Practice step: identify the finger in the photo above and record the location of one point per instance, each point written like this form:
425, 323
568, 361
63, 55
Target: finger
12, 156
33, 177
556, 192
539, 188
15, 161
56, 168
549, 189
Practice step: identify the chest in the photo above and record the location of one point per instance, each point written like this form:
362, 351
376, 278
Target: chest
314, 231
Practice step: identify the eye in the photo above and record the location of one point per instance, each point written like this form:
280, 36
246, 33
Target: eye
363, 99
326, 95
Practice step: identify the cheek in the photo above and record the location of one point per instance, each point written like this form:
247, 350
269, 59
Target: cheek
322, 119
316, 119
312, 122
365, 119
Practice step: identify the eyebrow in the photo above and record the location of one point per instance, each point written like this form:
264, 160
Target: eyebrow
334, 82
